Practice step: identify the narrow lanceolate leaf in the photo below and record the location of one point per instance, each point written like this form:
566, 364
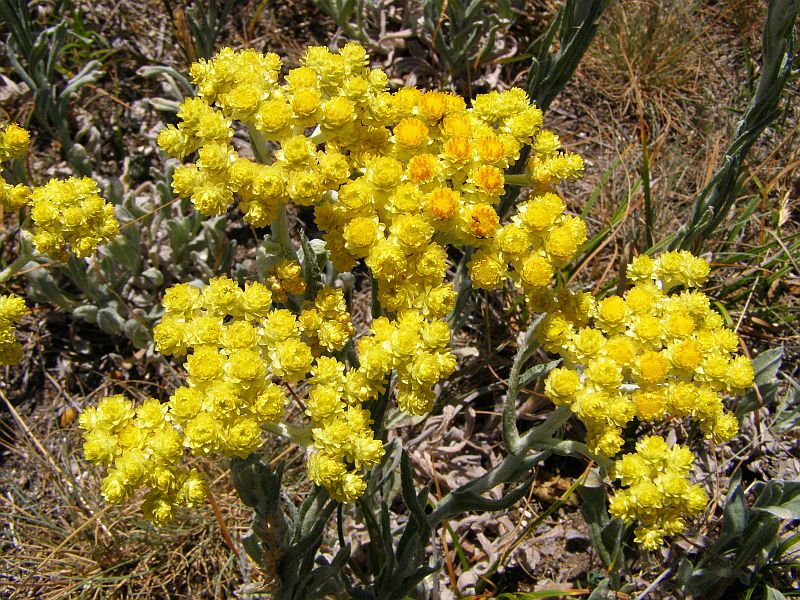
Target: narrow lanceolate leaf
716, 200
735, 512
766, 367
780, 498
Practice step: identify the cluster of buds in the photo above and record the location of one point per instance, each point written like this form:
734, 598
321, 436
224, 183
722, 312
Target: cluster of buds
286, 278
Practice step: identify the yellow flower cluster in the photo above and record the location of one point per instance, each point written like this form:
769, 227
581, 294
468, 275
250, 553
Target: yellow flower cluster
648, 355
14, 141
140, 447
71, 216
236, 346
284, 278
13, 144
68, 216
539, 239
658, 492
417, 349
11, 310
343, 443
393, 176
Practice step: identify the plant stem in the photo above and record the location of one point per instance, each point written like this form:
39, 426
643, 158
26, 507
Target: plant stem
518, 179
260, 150
14, 267
299, 435
464, 286
280, 224
280, 233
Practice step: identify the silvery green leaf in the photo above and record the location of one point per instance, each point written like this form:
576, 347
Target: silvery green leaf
735, 511
126, 250
268, 254
200, 261
153, 276
685, 572
780, 498
252, 546
26, 247
110, 321
602, 591
79, 160
537, 371
760, 536
87, 312
43, 287
766, 366
180, 86
165, 105
787, 415
86, 279
137, 333
123, 214
606, 533
310, 262
179, 233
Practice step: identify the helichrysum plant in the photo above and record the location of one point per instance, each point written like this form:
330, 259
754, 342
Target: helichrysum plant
395, 179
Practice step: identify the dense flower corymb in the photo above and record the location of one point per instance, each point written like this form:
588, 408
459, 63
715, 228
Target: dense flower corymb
68, 216
239, 350
657, 494
13, 144
394, 177
647, 355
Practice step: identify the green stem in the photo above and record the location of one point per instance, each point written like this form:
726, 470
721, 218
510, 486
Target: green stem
14, 267
280, 233
299, 435
377, 310
280, 224
519, 179
379, 409
260, 150
527, 345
